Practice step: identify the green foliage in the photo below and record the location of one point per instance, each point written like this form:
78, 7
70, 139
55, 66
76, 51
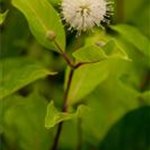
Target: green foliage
3, 17
91, 53
54, 117
131, 132
109, 108
13, 42
145, 98
135, 37
55, 3
42, 18
109, 91
95, 53
137, 13
23, 122
18, 73
87, 77
85, 80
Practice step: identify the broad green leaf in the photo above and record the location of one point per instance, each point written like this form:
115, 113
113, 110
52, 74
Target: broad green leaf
109, 103
98, 36
112, 99
42, 18
3, 16
85, 79
138, 58
89, 76
134, 36
18, 41
53, 116
95, 53
112, 49
89, 54
22, 119
17, 73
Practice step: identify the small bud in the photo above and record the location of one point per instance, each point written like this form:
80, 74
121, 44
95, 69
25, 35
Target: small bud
100, 43
51, 35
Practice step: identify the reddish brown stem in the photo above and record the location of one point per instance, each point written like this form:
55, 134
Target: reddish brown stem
73, 66
64, 55
64, 109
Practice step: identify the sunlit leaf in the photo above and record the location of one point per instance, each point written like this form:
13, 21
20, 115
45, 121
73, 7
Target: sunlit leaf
85, 80
89, 54
42, 18
134, 36
109, 103
3, 16
95, 53
87, 77
53, 116
113, 50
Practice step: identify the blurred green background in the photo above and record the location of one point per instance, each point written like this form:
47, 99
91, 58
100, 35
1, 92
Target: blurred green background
121, 116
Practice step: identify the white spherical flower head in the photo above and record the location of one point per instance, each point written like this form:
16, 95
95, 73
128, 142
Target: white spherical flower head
82, 15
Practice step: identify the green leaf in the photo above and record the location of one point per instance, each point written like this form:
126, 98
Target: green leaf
18, 41
94, 53
17, 73
42, 18
3, 17
53, 116
22, 119
90, 53
109, 102
138, 58
87, 77
134, 36
98, 36
113, 50
55, 2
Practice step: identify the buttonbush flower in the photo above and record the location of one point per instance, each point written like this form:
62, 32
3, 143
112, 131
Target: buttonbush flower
82, 15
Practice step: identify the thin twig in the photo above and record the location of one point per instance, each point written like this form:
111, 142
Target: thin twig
65, 106
64, 55
84, 63
73, 67
64, 109
59, 129
68, 60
